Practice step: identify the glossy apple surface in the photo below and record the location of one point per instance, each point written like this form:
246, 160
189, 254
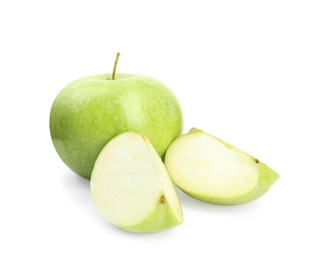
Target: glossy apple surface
214, 171
131, 187
91, 111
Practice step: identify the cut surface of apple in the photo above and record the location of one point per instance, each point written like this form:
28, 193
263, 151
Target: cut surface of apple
132, 188
214, 171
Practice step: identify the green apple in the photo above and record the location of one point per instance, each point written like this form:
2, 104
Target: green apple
214, 171
131, 187
89, 112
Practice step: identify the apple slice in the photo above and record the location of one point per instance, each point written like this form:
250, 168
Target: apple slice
214, 171
132, 188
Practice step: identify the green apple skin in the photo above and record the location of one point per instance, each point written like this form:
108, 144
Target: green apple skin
90, 111
266, 177
161, 218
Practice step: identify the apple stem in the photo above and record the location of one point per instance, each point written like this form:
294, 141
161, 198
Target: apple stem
115, 64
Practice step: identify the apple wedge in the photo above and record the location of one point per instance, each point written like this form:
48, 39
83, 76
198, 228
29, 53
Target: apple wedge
214, 171
132, 188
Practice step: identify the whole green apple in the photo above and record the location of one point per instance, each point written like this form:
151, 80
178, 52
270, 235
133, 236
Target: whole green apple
89, 112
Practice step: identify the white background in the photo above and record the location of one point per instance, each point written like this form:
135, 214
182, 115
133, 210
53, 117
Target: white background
257, 74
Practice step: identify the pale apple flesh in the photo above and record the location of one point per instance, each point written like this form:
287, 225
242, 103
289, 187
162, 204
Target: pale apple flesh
131, 187
214, 171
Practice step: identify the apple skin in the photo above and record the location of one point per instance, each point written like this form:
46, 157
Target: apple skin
90, 111
161, 218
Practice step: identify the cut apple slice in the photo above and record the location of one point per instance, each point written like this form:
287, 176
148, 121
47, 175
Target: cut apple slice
132, 188
214, 171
